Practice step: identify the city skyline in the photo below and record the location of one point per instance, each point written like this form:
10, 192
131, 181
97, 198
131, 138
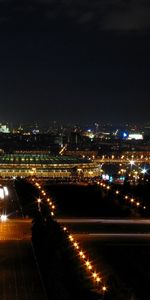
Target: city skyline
74, 149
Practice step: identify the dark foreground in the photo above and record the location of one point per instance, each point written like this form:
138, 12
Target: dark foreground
126, 262
121, 251
19, 274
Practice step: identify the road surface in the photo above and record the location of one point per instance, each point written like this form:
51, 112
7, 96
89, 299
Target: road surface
20, 277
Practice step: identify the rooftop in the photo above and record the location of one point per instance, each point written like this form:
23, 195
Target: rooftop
40, 159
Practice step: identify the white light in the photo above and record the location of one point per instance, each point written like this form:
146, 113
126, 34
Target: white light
105, 176
6, 191
132, 162
1, 193
3, 218
144, 171
135, 136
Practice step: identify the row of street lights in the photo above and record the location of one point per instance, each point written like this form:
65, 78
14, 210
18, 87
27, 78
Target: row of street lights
128, 198
90, 268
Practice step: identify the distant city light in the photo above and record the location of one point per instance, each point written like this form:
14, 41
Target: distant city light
110, 179
132, 162
125, 134
143, 171
105, 177
135, 136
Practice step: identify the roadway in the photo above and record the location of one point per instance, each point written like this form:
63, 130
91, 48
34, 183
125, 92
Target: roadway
20, 277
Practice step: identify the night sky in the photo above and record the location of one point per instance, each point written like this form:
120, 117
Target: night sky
75, 61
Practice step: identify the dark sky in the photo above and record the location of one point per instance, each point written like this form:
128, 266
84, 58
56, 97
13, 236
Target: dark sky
75, 60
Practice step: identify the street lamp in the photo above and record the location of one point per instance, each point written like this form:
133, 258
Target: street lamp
39, 204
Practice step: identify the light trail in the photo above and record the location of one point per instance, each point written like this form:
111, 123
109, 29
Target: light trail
104, 221
94, 235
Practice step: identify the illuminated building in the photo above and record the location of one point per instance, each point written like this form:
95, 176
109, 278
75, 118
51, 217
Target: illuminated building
4, 128
46, 166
